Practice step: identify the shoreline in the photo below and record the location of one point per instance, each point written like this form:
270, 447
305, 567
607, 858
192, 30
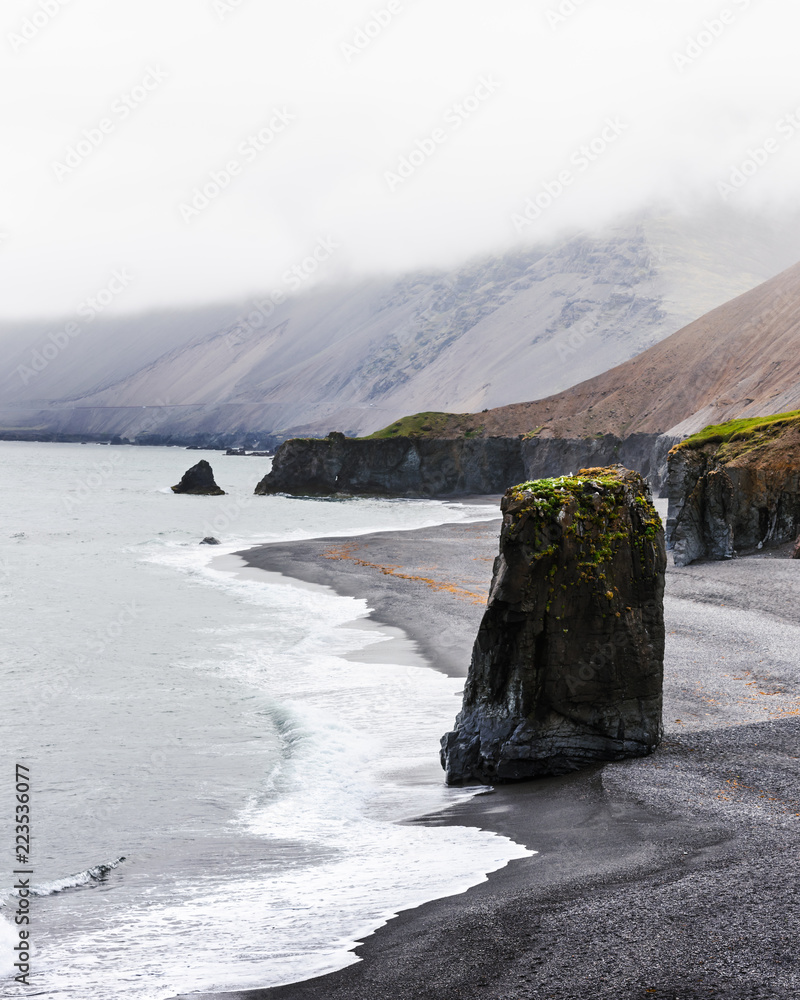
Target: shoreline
420, 581
667, 876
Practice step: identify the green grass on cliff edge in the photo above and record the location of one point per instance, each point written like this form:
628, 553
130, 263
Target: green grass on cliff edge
736, 430
428, 424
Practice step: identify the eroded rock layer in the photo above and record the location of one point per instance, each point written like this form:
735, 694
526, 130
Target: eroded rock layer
567, 667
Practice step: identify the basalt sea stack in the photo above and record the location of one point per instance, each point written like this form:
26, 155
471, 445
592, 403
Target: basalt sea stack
567, 668
199, 480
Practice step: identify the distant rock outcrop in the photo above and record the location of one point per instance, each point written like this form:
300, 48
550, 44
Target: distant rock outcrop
422, 465
199, 481
210, 540
567, 667
734, 486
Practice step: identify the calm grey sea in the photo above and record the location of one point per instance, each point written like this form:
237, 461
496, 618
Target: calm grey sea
206, 727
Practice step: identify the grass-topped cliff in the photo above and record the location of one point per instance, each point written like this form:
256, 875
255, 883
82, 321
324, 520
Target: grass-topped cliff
768, 439
734, 487
432, 424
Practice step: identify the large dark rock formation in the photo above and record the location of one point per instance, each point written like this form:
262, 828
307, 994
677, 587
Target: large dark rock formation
199, 480
734, 487
433, 466
567, 667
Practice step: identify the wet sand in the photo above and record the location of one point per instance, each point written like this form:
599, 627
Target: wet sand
673, 876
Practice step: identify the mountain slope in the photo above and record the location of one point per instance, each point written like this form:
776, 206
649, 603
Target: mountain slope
739, 360
356, 357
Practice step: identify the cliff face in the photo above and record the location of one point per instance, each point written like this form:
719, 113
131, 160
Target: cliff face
567, 667
408, 466
400, 467
734, 487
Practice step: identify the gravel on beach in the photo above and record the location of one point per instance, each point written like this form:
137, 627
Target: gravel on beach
671, 877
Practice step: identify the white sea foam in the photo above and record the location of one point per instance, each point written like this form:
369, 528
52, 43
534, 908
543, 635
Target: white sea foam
361, 754
216, 735
8, 938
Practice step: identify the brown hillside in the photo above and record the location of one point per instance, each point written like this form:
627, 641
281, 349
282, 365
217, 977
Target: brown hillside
741, 359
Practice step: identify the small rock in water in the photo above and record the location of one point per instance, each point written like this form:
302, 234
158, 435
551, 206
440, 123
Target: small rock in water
199, 481
210, 540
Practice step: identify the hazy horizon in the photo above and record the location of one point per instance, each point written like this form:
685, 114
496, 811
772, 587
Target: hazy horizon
205, 153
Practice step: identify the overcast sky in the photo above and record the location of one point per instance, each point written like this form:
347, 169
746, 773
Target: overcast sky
202, 148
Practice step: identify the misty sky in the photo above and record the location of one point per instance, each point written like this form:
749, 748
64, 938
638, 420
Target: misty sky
205, 148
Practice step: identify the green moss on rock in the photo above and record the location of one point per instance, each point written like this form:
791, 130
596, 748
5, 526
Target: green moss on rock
595, 513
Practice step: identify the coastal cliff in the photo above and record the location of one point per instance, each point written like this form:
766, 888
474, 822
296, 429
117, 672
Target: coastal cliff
734, 486
420, 465
567, 667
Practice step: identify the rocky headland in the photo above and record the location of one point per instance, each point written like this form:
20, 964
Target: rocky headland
428, 465
735, 487
567, 667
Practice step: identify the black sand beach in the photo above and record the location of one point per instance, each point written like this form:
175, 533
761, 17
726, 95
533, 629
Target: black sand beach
673, 876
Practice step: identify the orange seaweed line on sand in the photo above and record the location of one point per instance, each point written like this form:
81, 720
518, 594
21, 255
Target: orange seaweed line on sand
346, 552
737, 786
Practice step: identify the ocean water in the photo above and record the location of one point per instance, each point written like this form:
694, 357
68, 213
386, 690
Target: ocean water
214, 729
